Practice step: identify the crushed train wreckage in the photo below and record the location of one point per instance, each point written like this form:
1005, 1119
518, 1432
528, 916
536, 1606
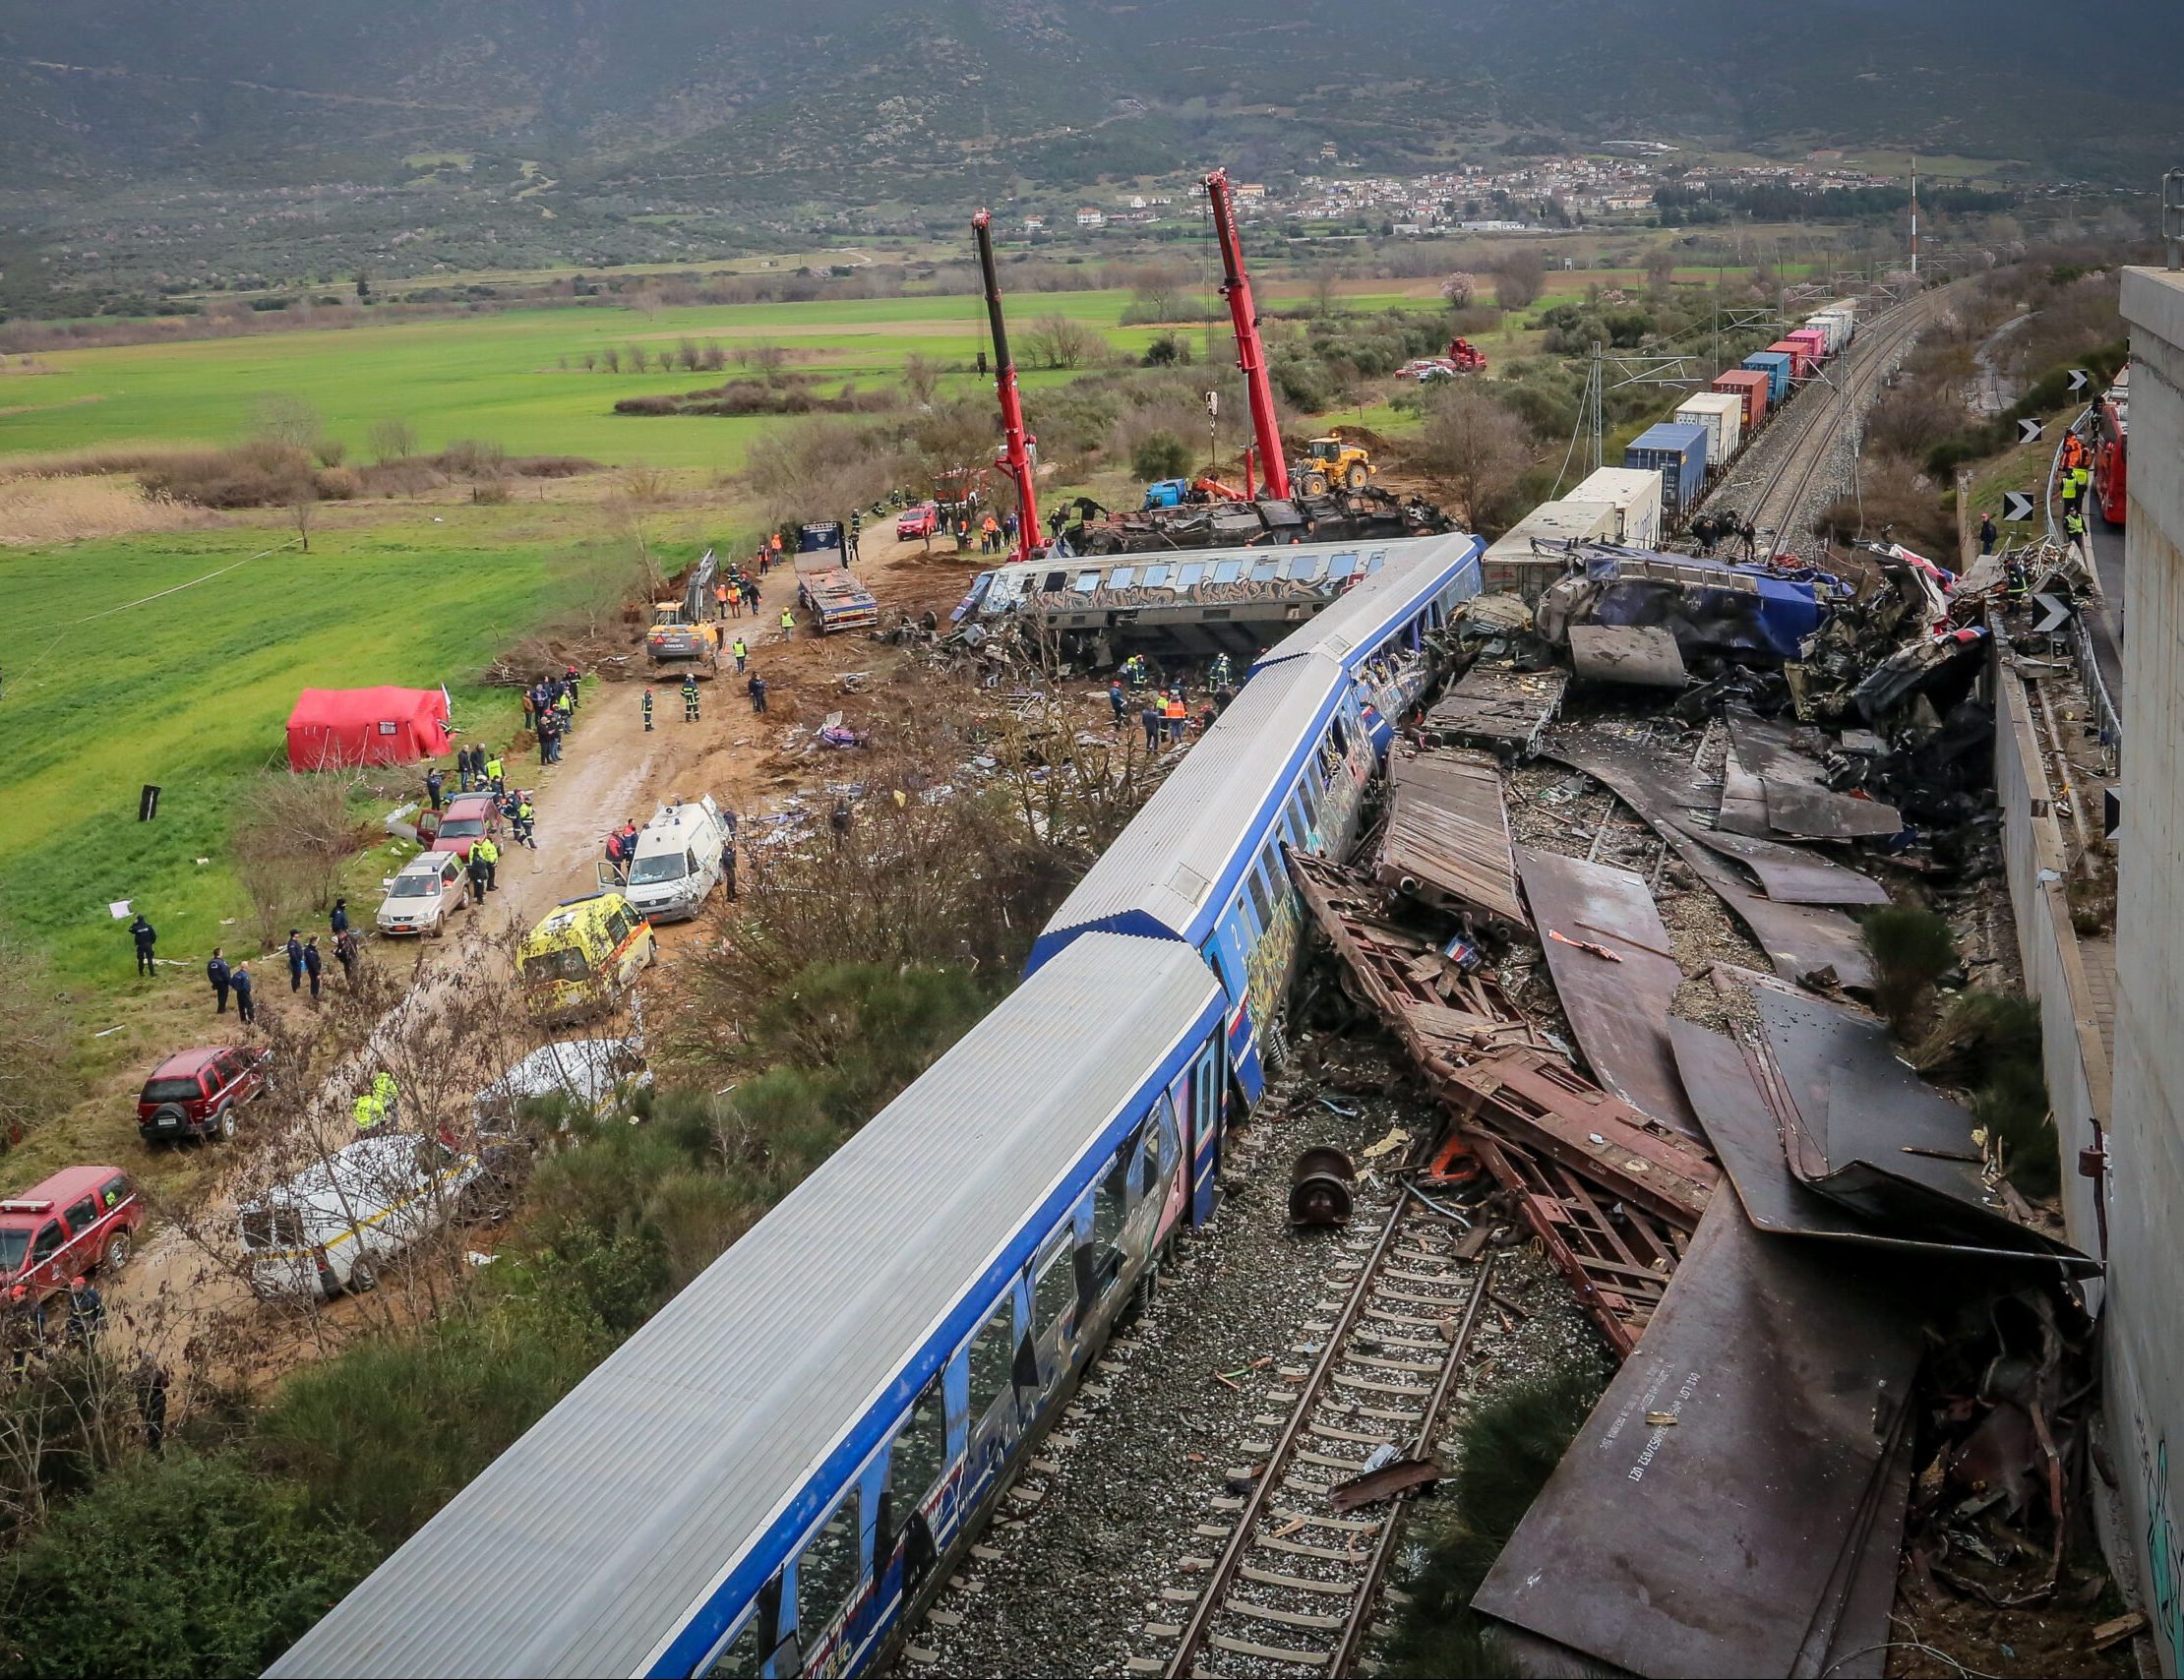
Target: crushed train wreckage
1844, 1340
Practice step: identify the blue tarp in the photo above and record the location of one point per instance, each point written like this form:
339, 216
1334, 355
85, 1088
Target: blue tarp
1771, 618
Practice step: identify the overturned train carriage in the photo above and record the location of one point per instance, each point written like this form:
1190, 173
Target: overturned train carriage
772, 1476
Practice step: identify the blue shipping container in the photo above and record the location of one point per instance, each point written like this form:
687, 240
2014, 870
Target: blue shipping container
1776, 366
1678, 452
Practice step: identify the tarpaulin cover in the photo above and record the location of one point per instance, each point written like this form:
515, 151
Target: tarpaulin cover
332, 727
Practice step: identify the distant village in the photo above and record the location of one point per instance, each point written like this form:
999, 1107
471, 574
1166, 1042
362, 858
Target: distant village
1474, 198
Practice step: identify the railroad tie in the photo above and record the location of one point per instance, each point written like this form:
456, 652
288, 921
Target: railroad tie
1253, 1608
1269, 1652
1299, 1582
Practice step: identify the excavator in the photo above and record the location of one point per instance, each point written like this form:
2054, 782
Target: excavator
680, 631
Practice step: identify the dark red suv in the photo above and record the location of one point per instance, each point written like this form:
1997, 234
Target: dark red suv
79, 1220
196, 1092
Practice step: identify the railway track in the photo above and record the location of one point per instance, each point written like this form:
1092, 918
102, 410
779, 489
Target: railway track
1782, 501
1295, 1583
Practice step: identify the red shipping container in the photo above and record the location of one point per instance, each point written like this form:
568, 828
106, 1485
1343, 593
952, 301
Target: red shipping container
1751, 386
1800, 356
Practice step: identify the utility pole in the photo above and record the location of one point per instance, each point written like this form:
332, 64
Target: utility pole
1915, 215
1595, 388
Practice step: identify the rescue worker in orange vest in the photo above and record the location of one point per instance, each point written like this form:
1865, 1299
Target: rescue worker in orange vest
1179, 715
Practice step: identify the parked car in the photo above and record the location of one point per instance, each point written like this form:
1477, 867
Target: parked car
923, 520
77, 1221
195, 1093
423, 895
678, 860
457, 828
330, 1228
593, 1074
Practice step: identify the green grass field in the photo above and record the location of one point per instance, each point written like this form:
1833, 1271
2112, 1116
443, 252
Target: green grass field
501, 377
191, 690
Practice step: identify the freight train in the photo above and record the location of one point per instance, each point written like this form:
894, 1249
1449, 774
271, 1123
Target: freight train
775, 1475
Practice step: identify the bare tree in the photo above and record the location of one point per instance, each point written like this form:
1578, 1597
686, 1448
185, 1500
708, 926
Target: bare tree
303, 507
1326, 278
1520, 276
280, 417
1660, 269
1057, 342
920, 374
1475, 446
34, 1039
1158, 290
390, 440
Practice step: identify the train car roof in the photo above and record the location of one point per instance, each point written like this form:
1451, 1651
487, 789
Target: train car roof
1164, 873
622, 1512
1417, 570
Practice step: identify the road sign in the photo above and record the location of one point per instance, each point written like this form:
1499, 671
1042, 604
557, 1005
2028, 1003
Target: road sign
2111, 814
2078, 380
2017, 506
2028, 431
2058, 614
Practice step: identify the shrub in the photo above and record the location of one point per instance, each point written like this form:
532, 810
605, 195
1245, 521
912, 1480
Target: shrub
101, 1589
1161, 454
331, 451
1910, 949
257, 474
336, 484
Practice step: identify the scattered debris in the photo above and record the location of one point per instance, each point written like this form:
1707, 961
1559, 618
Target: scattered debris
1498, 707
1446, 839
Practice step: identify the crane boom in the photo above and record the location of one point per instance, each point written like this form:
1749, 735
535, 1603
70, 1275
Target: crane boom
1251, 356
1016, 443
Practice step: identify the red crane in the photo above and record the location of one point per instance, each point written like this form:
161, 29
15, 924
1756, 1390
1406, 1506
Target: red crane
1251, 356
1016, 443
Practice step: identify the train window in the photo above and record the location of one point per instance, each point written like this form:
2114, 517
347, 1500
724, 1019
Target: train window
1342, 565
1122, 577
921, 1450
1227, 571
746, 1653
1190, 573
1263, 570
1313, 779
1303, 569
1264, 905
1299, 831
1156, 577
1339, 736
992, 1355
826, 1572
1053, 1290
1374, 564
1055, 584
1149, 1167
1086, 583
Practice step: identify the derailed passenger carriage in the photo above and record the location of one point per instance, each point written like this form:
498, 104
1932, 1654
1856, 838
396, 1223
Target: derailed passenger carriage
773, 1473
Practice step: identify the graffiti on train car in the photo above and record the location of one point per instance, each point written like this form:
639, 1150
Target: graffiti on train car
1278, 590
1266, 965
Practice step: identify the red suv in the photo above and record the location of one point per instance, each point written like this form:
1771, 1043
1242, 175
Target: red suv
923, 520
196, 1093
467, 816
80, 1219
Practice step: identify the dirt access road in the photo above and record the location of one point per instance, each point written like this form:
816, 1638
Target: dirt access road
181, 1291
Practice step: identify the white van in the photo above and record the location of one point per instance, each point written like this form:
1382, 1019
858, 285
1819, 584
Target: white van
423, 895
328, 1229
678, 860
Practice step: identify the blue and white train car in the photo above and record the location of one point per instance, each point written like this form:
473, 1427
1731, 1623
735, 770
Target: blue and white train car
1377, 628
771, 1476
1288, 763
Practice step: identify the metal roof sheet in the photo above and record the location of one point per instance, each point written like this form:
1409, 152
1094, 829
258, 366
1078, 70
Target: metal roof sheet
584, 1544
1416, 568
1167, 862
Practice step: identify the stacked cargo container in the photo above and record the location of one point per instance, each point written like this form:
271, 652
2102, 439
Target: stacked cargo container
1635, 495
1801, 359
1752, 388
1815, 340
1721, 413
1513, 564
1776, 364
1678, 452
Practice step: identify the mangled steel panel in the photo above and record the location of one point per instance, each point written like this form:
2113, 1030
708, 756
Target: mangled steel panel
1644, 656
1815, 812
1500, 708
1711, 607
1618, 1004
1743, 799
1788, 875
1801, 940
1447, 834
1698, 1525
1866, 1132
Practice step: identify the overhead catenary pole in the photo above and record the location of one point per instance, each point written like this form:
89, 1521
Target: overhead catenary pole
1915, 215
1016, 443
1251, 356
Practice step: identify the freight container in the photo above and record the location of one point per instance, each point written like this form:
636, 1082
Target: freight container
1636, 496
1677, 452
1835, 324
1800, 358
1513, 564
1776, 365
1721, 413
1815, 338
1752, 386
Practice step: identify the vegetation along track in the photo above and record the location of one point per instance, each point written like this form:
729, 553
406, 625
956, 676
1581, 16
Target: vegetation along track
1293, 1587
1778, 497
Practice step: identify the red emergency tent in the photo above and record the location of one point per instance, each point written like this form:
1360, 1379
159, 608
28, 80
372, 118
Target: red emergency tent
366, 726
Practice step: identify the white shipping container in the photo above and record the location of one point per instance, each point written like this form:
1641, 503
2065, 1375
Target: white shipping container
1835, 325
1721, 413
1635, 492
1511, 561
